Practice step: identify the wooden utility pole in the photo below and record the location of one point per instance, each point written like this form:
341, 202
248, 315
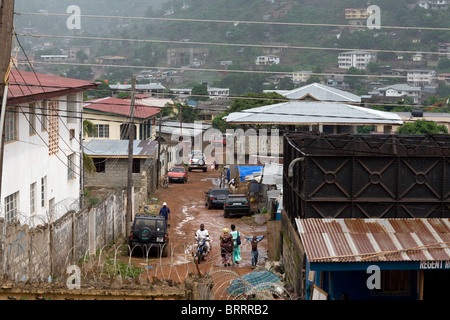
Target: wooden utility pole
158, 166
6, 33
130, 160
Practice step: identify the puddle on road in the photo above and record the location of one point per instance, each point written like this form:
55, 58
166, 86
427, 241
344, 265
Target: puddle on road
188, 217
214, 180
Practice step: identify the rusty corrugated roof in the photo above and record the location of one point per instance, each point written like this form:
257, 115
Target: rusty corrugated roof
362, 240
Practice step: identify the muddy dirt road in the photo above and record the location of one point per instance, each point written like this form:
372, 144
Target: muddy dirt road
187, 205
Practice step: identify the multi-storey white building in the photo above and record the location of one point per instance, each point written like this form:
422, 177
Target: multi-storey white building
357, 59
42, 150
420, 77
267, 60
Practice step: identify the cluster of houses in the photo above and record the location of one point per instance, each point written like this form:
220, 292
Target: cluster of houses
43, 166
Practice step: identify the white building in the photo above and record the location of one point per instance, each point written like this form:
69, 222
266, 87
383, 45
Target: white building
357, 59
213, 92
42, 151
267, 60
444, 48
433, 4
400, 90
420, 78
301, 76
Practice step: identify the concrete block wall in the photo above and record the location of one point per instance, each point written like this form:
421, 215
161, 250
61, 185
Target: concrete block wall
34, 254
40, 265
61, 244
115, 175
16, 252
81, 235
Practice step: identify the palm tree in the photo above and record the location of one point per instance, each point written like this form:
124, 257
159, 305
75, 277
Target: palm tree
88, 163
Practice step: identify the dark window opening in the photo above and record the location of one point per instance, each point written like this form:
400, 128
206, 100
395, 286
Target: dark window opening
136, 166
99, 164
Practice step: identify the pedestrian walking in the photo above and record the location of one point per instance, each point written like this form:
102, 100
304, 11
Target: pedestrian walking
226, 247
164, 211
236, 244
254, 242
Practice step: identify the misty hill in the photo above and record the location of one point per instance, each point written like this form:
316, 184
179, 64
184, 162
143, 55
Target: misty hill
237, 30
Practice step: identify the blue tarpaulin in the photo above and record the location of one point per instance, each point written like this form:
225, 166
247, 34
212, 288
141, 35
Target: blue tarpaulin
248, 170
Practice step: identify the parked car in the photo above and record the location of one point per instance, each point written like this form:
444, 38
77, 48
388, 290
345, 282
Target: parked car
221, 142
236, 204
216, 197
197, 153
197, 162
178, 174
149, 232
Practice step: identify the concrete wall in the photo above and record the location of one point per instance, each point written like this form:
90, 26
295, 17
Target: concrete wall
31, 254
115, 175
292, 255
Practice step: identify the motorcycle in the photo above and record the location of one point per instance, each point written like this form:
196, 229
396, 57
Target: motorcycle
201, 251
165, 182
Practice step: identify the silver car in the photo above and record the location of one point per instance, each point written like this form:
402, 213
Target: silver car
197, 161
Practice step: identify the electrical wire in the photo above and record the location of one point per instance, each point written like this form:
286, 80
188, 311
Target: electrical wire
68, 116
234, 22
227, 44
59, 147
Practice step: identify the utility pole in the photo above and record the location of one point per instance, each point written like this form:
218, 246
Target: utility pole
130, 160
158, 166
6, 33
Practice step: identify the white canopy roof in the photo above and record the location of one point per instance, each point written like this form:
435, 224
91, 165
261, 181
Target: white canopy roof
306, 113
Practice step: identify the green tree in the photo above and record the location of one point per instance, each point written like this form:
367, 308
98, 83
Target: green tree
82, 56
248, 101
80, 72
88, 130
200, 92
101, 91
188, 114
444, 65
422, 126
286, 84
353, 80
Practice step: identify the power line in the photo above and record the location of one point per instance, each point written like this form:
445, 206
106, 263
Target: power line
228, 44
40, 85
59, 134
82, 113
234, 22
281, 100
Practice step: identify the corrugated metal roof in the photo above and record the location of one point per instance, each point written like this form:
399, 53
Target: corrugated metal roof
119, 148
322, 93
272, 174
301, 112
25, 84
187, 129
368, 240
149, 86
121, 107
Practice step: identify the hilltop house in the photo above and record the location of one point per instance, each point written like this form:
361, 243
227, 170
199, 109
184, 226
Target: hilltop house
267, 60
357, 59
151, 89
400, 90
41, 166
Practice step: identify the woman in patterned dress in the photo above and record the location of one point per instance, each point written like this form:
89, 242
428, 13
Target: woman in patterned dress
226, 247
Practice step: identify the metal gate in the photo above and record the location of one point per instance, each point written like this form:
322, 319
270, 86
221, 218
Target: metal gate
366, 176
